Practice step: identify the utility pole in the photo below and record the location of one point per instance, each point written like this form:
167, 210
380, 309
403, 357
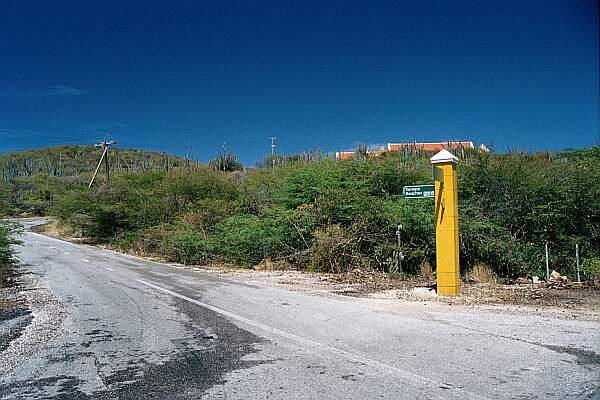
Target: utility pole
104, 157
223, 152
272, 139
106, 162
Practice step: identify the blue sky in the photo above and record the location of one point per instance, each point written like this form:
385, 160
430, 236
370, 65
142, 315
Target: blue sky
167, 75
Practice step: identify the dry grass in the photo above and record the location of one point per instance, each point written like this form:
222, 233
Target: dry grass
52, 228
481, 273
273, 265
426, 271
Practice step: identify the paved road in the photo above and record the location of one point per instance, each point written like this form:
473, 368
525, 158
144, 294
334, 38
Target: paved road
109, 326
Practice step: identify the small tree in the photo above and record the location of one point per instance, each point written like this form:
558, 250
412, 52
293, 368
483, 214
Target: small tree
8, 231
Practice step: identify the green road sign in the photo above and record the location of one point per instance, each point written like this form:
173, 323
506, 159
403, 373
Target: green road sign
419, 192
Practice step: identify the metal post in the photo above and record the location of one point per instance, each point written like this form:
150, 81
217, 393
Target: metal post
577, 258
224, 151
400, 256
547, 265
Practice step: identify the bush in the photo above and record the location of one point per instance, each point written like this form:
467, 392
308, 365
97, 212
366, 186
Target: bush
590, 269
512, 204
417, 234
5, 207
226, 162
305, 184
205, 214
336, 249
8, 231
186, 246
244, 239
333, 215
490, 244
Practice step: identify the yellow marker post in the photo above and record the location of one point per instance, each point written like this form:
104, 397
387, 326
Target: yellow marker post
446, 223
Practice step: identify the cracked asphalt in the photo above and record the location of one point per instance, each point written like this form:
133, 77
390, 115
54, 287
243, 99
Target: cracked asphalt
103, 325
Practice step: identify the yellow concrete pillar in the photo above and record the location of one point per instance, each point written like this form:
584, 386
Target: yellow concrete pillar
446, 223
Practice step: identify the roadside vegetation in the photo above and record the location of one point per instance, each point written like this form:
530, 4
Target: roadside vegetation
7, 239
320, 214
7, 231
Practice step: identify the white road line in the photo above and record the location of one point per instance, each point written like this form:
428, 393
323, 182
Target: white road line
407, 376
85, 260
109, 269
66, 253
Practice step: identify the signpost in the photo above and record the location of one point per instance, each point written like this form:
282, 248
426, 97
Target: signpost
445, 192
419, 192
446, 224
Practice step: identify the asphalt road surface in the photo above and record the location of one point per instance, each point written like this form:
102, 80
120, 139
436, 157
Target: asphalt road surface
112, 326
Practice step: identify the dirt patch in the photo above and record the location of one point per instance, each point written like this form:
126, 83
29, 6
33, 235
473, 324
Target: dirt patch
534, 295
52, 227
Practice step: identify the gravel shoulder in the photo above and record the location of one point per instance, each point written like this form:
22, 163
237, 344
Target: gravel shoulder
30, 316
375, 287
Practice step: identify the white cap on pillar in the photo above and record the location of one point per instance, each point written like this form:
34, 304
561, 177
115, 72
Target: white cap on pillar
444, 156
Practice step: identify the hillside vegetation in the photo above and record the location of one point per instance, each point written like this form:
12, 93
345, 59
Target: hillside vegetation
335, 216
73, 160
33, 178
8, 238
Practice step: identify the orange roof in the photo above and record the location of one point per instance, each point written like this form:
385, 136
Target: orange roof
436, 146
423, 146
344, 155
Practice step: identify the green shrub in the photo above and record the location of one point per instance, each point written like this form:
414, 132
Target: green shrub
590, 269
243, 239
304, 184
417, 234
186, 247
8, 231
226, 162
205, 214
6, 208
487, 243
336, 249
333, 215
